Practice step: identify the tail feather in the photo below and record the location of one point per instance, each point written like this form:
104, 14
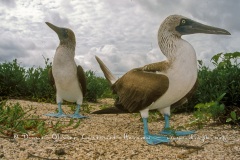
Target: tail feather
107, 73
115, 110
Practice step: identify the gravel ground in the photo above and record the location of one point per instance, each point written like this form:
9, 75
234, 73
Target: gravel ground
120, 137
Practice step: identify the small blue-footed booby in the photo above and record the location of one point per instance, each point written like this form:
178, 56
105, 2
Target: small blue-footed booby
68, 78
163, 84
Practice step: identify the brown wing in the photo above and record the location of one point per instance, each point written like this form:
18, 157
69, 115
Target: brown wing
138, 89
158, 66
51, 78
82, 79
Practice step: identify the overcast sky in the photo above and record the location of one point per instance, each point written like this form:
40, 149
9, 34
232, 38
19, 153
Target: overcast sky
123, 33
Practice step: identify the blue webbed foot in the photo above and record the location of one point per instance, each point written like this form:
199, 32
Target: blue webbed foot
155, 139
58, 115
150, 138
168, 131
176, 133
76, 114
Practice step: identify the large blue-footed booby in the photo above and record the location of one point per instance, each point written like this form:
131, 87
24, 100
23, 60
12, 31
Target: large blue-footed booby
68, 78
163, 84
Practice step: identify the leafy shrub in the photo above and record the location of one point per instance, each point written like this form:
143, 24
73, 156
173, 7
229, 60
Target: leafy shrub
233, 118
97, 87
37, 81
31, 83
12, 79
207, 111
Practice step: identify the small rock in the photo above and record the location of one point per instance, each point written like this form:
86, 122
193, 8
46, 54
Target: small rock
60, 152
49, 150
1, 155
13, 140
22, 149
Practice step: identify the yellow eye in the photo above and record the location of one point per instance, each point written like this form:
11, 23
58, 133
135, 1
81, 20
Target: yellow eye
183, 21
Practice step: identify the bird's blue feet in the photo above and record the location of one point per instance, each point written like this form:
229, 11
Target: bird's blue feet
76, 114
59, 114
153, 139
168, 131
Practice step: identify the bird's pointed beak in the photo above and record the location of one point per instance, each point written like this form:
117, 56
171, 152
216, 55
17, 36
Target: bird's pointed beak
55, 28
192, 27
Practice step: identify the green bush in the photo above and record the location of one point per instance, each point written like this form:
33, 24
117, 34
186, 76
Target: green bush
12, 79
97, 87
19, 82
224, 78
37, 81
207, 111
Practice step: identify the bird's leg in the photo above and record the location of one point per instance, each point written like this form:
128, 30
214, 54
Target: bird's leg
152, 139
76, 114
59, 114
168, 131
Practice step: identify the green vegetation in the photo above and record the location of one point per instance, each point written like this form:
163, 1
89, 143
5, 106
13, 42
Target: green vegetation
16, 122
97, 87
207, 111
19, 82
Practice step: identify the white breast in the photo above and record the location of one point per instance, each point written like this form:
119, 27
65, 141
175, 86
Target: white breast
182, 76
65, 75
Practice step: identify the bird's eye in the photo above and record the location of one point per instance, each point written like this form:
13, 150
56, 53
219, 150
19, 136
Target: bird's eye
183, 21
65, 33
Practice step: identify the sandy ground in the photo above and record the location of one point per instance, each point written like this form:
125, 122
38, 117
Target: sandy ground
120, 137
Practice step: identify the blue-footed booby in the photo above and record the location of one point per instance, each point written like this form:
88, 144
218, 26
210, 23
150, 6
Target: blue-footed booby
68, 78
163, 84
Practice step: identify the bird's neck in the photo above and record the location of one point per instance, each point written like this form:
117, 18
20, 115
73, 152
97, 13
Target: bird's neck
169, 43
68, 44
179, 52
65, 52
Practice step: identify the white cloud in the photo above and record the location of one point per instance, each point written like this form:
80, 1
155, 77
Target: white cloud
8, 3
122, 33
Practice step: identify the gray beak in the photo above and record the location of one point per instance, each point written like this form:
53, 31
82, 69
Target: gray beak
55, 28
191, 27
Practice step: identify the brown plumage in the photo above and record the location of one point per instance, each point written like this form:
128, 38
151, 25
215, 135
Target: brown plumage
82, 79
135, 97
